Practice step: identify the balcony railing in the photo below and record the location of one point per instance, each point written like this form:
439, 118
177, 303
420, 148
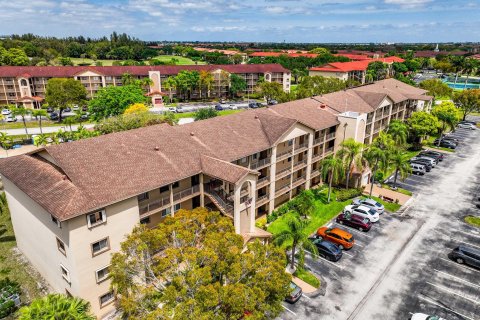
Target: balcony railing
300, 164
282, 189
262, 200
262, 182
284, 153
186, 193
330, 136
154, 205
282, 173
298, 181
260, 163
301, 147
316, 157
315, 172
329, 150
318, 141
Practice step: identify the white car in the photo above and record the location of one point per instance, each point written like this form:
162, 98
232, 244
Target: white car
363, 211
10, 118
467, 126
431, 160
6, 112
423, 316
372, 204
232, 107
172, 109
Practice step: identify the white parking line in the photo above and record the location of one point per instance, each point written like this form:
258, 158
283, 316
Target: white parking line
289, 310
457, 240
441, 306
306, 297
458, 279
462, 266
325, 260
469, 234
353, 230
360, 245
348, 254
454, 293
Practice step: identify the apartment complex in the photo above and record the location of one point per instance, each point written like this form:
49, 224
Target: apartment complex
27, 85
73, 203
352, 70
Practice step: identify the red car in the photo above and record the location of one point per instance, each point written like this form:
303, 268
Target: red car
354, 221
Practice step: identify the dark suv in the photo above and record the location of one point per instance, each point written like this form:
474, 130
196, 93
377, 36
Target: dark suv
466, 255
327, 249
432, 154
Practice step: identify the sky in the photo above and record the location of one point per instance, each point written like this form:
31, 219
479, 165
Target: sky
321, 21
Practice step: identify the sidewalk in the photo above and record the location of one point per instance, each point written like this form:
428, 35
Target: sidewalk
16, 152
378, 191
306, 288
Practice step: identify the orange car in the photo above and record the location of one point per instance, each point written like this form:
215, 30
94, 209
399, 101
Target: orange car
338, 236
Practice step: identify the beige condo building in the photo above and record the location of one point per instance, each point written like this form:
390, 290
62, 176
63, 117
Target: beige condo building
72, 204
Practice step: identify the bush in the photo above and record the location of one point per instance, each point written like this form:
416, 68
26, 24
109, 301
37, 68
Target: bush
345, 194
379, 176
8, 289
261, 223
308, 277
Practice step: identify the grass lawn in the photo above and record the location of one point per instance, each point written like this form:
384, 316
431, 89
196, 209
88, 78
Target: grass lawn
472, 220
323, 213
34, 124
401, 190
307, 277
11, 266
181, 60
192, 114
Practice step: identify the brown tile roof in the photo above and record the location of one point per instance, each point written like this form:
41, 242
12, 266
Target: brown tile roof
373, 99
396, 90
69, 71
223, 170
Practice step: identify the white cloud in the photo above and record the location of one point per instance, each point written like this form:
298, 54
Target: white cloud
408, 3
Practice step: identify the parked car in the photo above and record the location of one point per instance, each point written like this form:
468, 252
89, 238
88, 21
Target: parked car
470, 122
434, 154
342, 238
172, 109
363, 211
53, 116
467, 126
218, 107
75, 107
180, 110
232, 107
426, 163
67, 109
85, 108
327, 249
418, 168
377, 206
447, 144
295, 293
272, 102
439, 141
466, 255
50, 110
10, 118
430, 160
6, 112
423, 316
84, 116
254, 105
449, 137
222, 101
354, 221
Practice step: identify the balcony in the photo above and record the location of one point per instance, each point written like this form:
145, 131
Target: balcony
284, 154
300, 164
282, 189
262, 200
318, 141
263, 182
330, 136
298, 181
260, 163
328, 150
315, 172
301, 147
316, 157
190, 192
154, 206
283, 173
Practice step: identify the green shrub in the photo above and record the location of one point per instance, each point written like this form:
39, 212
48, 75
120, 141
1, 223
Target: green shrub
261, 223
308, 277
8, 288
379, 176
345, 194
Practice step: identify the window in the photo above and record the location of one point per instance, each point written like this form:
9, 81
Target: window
165, 212
164, 189
255, 156
65, 273
289, 159
100, 246
56, 221
175, 185
102, 274
106, 299
176, 207
96, 218
61, 247
290, 142
145, 220
195, 180
108, 78
243, 160
143, 196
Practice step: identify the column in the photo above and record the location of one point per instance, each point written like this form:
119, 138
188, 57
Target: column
252, 210
202, 194
292, 155
273, 172
236, 208
309, 160
171, 199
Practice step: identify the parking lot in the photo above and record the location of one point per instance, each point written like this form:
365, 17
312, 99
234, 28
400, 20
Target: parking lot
401, 265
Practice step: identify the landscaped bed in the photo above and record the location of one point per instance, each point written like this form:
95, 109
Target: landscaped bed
473, 220
308, 277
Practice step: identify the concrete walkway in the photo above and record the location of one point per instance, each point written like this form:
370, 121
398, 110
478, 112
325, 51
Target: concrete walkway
378, 191
15, 152
306, 288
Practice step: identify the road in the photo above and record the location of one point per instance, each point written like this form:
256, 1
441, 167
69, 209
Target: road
401, 265
14, 132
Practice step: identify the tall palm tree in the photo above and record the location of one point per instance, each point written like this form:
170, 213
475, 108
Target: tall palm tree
305, 203
170, 84
376, 158
351, 154
38, 114
296, 233
399, 132
22, 112
333, 171
56, 307
401, 163
69, 121
41, 140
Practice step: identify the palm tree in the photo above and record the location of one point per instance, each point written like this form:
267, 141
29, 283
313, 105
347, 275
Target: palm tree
333, 171
296, 233
38, 114
351, 154
401, 163
170, 84
376, 159
69, 121
22, 112
305, 203
398, 130
42, 140
57, 306
5, 140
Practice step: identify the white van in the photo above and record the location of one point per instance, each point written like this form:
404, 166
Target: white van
418, 168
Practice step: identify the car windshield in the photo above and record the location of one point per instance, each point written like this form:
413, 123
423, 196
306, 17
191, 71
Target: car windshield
372, 211
378, 204
433, 318
365, 221
349, 239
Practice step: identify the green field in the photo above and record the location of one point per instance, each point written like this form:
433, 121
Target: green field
164, 58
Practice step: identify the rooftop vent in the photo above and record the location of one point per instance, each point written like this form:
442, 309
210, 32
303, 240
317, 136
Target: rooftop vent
64, 177
156, 148
192, 134
256, 116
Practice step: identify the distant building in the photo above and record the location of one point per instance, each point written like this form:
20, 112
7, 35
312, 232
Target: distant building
27, 85
263, 54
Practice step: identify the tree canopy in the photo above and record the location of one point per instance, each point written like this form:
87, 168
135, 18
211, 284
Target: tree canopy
136, 108
193, 266
237, 84
422, 124
57, 306
64, 92
436, 88
447, 114
467, 101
